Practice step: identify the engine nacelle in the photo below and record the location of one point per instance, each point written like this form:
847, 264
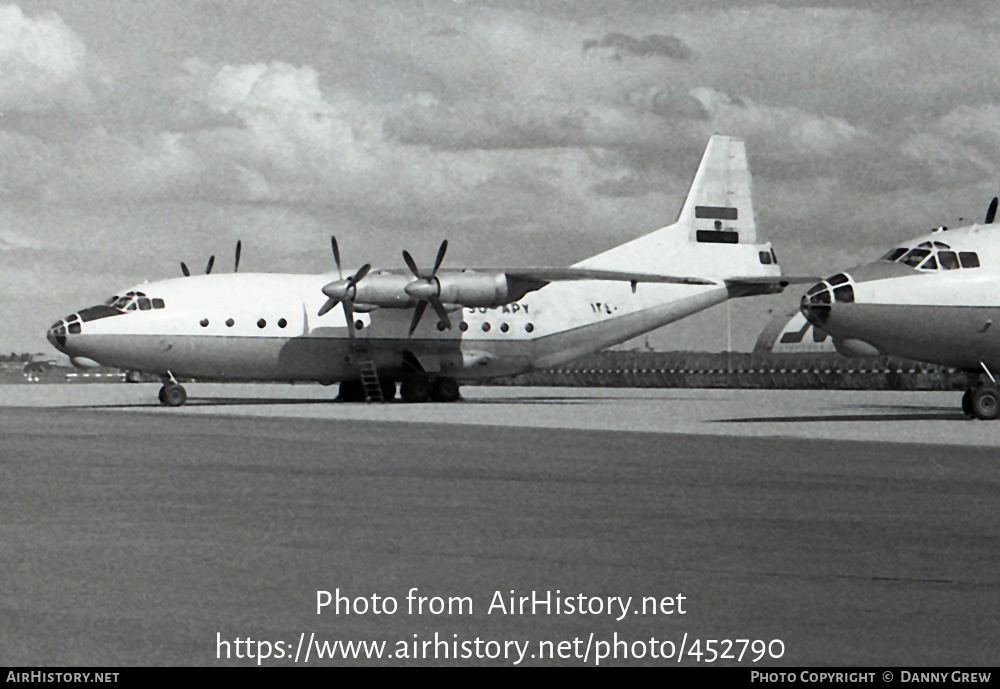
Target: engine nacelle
470, 288
386, 290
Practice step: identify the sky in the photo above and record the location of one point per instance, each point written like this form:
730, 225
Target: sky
135, 135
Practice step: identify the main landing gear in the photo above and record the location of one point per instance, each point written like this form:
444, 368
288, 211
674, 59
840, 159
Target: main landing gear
421, 389
173, 395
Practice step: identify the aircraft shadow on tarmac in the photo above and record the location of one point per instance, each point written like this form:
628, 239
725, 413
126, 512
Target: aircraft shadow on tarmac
886, 412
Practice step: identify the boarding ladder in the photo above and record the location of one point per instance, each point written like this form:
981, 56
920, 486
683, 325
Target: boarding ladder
369, 374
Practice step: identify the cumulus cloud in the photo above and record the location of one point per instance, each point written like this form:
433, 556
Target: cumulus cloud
42, 62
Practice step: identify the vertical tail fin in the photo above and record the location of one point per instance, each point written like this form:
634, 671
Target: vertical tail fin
720, 196
715, 234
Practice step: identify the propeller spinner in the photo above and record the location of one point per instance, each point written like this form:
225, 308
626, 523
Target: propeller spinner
343, 291
426, 289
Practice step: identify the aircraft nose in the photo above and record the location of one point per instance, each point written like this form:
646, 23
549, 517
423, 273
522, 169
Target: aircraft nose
56, 336
817, 304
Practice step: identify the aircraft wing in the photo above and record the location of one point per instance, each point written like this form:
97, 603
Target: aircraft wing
766, 284
561, 274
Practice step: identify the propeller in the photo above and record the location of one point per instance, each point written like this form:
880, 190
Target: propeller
211, 262
426, 289
342, 291
208, 268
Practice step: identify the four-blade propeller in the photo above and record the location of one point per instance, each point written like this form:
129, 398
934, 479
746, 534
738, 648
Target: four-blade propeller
343, 291
427, 290
211, 262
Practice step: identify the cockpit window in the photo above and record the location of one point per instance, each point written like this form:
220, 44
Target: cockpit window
948, 260
133, 301
895, 254
929, 264
914, 257
838, 279
969, 259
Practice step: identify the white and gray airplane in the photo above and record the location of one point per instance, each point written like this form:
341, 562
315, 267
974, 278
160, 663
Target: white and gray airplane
487, 322
932, 298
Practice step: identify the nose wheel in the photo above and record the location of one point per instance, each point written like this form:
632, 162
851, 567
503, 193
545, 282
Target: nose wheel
982, 403
173, 395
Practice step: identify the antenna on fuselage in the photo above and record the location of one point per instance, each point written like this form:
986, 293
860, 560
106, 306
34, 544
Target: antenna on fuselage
991, 212
239, 249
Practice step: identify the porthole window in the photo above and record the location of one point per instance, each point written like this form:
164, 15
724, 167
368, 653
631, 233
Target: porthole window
282, 322
359, 324
441, 326
486, 327
204, 322
463, 326
529, 327
230, 322
261, 323
504, 327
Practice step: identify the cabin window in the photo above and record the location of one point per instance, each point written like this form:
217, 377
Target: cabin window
261, 323
504, 327
948, 260
486, 327
463, 326
529, 327
969, 259
203, 322
230, 322
282, 322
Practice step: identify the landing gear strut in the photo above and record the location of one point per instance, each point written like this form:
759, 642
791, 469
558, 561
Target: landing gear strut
173, 395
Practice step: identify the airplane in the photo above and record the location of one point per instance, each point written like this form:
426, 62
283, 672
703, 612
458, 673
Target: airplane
487, 322
932, 299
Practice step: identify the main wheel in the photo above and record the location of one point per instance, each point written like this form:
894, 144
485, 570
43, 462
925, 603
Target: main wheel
415, 389
986, 403
445, 390
174, 395
967, 404
352, 391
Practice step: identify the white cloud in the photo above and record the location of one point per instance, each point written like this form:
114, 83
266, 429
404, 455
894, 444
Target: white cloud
42, 62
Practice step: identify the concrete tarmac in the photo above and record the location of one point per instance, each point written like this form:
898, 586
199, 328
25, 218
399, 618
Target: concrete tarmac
136, 535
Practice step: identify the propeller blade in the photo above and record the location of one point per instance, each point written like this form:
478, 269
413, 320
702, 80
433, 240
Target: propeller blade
325, 309
239, 250
442, 314
991, 214
440, 257
411, 264
184, 269
362, 271
336, 255
418, 312
349, 315
211, 262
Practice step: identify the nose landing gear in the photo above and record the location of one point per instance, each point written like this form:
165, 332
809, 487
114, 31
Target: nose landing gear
172, 394
982, 402
982, 399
